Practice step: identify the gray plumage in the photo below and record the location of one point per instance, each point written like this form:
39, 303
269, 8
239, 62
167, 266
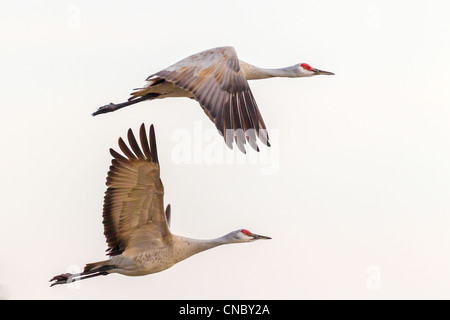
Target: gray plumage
217, 79
136, 226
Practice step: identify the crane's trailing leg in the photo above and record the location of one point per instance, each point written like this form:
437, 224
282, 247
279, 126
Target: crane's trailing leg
113, 107
67, 278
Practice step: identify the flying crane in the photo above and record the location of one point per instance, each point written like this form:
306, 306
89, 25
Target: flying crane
217, 79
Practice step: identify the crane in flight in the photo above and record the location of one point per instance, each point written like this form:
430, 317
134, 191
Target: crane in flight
136, 226
217, 79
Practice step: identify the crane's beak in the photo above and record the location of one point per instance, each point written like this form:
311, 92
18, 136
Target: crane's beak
258, 237
317, 71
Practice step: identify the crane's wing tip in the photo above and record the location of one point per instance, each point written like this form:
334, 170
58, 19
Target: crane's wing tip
168, 214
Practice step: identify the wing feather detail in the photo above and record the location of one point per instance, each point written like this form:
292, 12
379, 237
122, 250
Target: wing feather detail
217, 82
134, 199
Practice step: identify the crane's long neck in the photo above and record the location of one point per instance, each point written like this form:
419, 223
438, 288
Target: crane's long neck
186, 247
253, 73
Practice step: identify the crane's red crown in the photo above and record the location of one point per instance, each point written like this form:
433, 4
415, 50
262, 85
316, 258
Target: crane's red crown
306, 66
246, 232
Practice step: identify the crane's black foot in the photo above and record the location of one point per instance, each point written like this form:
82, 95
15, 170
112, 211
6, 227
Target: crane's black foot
105, 109
61, 279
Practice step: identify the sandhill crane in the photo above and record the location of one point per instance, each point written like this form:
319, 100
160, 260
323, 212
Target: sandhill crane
136, 226
217, 79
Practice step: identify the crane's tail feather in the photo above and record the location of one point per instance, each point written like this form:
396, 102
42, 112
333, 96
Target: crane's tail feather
95, 266
91, 270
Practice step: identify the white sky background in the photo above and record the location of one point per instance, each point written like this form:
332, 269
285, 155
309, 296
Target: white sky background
358, 209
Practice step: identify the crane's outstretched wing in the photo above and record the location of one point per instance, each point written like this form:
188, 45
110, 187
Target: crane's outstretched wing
217, 82
133, 210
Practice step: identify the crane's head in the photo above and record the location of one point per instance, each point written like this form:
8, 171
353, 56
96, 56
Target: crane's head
243, 235
305, 70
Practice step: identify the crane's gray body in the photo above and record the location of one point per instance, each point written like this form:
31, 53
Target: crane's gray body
155, 260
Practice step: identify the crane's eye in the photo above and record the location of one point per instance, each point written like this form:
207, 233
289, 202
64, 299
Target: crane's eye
306, 66
246, 232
